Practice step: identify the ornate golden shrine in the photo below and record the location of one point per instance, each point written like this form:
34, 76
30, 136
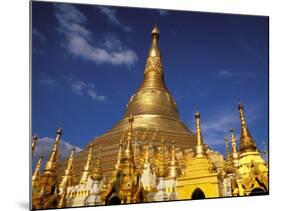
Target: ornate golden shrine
149, 155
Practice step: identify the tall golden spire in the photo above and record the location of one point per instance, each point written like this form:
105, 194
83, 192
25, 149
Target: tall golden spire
162, 167
129, 155
96, 173
199, 150
33, 144
154, 50
36, 173
62, 197
146, 162
174, 169
119, 154
246, 141
152, 105
153, 82
86, 170
227, 155
52, 163
235, 155
68, 172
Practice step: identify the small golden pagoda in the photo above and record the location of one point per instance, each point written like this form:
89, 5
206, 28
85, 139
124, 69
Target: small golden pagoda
200, 179
252, 169
45, 194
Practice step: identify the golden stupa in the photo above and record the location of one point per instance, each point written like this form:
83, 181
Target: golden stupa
155, 116
150, 155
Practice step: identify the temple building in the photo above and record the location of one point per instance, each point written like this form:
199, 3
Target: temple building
149, 155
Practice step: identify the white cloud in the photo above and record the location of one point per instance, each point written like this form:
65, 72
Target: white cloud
80, 43
229, 73
225, 73
78, 86
215, 127
112, 17
38, 35
163, 12
110, 14
95, 96
47, 81
82, 88
44, 147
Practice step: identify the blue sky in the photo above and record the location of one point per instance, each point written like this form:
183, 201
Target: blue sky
88, 60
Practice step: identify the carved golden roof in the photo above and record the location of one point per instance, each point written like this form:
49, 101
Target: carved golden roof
246, 141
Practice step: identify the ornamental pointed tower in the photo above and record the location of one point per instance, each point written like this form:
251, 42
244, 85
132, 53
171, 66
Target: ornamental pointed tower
227, 155
36, 174
199, 150
161, 173
252, 168
68, 172
86, 171
48, 181
119, 155
152, 105
33, 143
62, 197
129, 154
94, 198
96, 173
146, 163
52, 163
246, 141
174, 170
235, 155
199, 167
161, 166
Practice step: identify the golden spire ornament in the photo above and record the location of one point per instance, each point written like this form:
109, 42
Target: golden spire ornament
120, 151
62, 197
36, 174
235, 155
174, 169
96, 173
161, 169
87, 168
246, 141
154, 81
227, 155
68, 172
154, 49
199, 150
146, 163
52, 163
129, 148
33, 144
119, 154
